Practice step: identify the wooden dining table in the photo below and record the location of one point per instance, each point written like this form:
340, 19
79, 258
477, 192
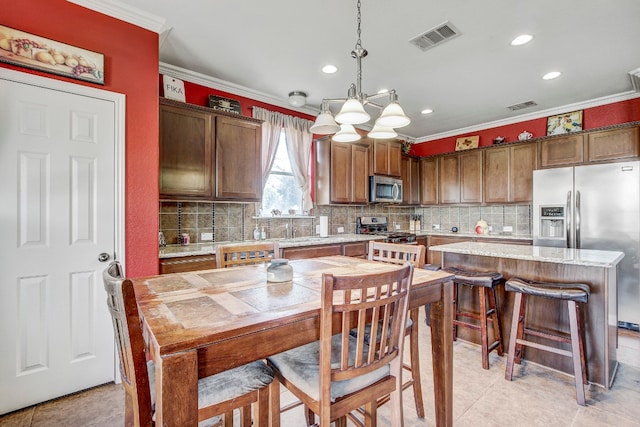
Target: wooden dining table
204, 322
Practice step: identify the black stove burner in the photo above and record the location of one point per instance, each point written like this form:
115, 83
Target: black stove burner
378, 226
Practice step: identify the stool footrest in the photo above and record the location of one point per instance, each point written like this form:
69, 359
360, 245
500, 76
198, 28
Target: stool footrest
546, 335
545, 347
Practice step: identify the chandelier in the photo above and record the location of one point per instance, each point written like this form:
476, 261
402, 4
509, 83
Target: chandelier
353, 112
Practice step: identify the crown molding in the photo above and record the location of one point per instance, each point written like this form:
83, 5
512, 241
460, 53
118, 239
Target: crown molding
225, 86
125, 12
536, 115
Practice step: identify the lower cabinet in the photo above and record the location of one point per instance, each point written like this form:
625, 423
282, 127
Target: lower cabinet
187, 263
311, 251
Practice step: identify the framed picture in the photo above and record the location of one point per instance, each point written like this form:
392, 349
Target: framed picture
467, 142
224, 104
564, 123
38, 53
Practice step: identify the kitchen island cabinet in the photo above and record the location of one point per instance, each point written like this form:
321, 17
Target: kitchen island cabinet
598, 269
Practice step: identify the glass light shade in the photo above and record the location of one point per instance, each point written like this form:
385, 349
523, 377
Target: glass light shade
393, 117
381, 132
347, 133
324, 124
352, 113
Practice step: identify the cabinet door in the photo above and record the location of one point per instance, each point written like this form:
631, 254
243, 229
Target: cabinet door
359, 174
523, 161
186, 153
395, 156
561, 151
429, 181
386, 158
496, 175
340, 172
612, 144
238, 160
449, 176
471, 177
410, 172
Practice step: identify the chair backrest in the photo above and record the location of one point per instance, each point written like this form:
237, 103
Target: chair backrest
397, 253
371, 308
253, 253
130, 342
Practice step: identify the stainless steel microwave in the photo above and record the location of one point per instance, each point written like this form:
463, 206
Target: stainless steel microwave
384, 189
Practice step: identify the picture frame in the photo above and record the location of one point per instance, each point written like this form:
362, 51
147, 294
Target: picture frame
562, 124
467, 142
51, 56
224, 104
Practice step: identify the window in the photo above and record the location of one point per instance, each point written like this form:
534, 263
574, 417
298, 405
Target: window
280, 191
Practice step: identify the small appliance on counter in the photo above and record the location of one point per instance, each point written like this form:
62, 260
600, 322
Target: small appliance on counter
378, 226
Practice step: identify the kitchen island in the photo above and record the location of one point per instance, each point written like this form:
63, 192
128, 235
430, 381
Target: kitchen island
596, 268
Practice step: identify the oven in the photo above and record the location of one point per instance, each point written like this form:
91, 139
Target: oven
378, 225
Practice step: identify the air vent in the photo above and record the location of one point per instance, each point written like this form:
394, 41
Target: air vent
516, 107
635, 79
435, 36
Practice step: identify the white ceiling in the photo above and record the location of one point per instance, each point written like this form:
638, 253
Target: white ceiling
275, 47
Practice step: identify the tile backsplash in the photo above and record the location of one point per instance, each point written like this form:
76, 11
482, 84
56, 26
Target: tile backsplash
236, 221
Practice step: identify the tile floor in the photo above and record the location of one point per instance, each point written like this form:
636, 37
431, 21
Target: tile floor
536, 397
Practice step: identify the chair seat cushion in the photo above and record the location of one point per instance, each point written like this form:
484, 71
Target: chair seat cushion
301, 366
578, 292
487, 279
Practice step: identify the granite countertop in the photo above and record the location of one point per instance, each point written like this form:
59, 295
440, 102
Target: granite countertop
584, 257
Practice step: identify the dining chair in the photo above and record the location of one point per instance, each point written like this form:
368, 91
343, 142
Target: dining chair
398, 254
218, 395
343, 371
246, 254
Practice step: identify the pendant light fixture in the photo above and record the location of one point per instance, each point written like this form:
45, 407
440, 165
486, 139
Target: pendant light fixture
353, 112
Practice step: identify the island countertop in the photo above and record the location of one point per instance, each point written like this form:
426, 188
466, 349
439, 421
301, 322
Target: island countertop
583, 257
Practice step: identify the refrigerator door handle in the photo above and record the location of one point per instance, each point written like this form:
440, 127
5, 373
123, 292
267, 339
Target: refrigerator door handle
577, 219
568, 216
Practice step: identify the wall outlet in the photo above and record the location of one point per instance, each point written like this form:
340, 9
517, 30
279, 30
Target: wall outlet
206, 237
435, 226
397, 226
507, 229
340, 229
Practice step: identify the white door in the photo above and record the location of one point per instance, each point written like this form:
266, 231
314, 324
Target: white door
57, 215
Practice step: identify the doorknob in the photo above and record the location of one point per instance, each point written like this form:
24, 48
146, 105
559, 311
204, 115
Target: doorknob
104, 257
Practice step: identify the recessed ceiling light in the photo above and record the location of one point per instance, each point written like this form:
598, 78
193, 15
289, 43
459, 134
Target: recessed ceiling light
552, 75
329, 69
521, 39
426, 111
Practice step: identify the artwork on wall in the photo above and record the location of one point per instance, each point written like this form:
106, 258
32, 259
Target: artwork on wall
39, 53
224, 104
467, 142
564, 123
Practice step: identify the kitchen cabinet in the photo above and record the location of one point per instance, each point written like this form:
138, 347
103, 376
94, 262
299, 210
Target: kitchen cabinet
561, 151
508, 173
356, 249
187, 263
612, 144
342, 172
410, 180
429, 181
386, 157
311, 251
186, 153
208, 155
460, 177
449, 179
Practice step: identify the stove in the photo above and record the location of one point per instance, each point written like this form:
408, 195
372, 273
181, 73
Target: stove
378, 225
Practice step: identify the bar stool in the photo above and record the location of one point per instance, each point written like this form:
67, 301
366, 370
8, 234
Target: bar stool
573, 293
485, 282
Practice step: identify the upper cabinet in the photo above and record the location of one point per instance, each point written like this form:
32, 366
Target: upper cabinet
429, 181
612, 144
410, 168
208, 155
342, 172
508, 173
460, 177
449, 179
561, 151
385, 157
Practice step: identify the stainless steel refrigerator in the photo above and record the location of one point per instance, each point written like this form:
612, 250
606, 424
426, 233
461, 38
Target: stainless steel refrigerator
594, 207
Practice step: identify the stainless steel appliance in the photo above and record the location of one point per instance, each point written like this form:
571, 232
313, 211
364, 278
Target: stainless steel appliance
594, 207
385, 189
379, 226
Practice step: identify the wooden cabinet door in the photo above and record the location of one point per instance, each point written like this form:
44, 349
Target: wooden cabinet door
561, 151
340, 172
238, 160
359, 174
186, 153
449, 179
410, 172
523, 161
471, 177
395, 156
429, 181
612, 144
386, 158
496, 175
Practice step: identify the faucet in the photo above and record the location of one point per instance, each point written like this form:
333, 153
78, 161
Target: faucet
293, 233
286, 231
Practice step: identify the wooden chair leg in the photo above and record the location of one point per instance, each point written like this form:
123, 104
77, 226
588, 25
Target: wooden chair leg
583, 360
455, 311
415, 364
370, 414
515, 320
310, 416
245, 416
274, 403
575, 350
495, 318
228, 419
484, 339
261, 408
519, 353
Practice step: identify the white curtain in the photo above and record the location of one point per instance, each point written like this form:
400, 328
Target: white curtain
299, 149
271, 127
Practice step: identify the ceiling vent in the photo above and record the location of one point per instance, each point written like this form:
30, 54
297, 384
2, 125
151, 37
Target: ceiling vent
516, 107
635, 79
435, 36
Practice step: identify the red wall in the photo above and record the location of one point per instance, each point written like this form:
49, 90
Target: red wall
595, 117
131, 68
